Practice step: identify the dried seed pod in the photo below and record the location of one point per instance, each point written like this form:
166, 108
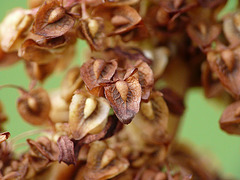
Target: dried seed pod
124, 96
39, 71
102, 163
153, 118
31, 51
177, 6
60, 108
42, 152
34, 106
44, 147
231, 28
226, 66
122, 18
203, 34
14, 29
71, 82
211, 84
91, 29
230, 119
93, 71
87, 114
46, 52
145, 77
52, 20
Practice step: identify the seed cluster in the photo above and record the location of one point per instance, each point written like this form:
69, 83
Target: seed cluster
117, 116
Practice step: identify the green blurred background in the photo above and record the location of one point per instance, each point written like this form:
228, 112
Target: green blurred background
200, 127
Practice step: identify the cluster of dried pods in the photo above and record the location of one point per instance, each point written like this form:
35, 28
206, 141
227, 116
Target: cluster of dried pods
116, 116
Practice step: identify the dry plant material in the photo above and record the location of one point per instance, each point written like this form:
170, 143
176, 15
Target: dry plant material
34, 106
39, 71
145, 77
231, 28
52, 20
226, 66
66, 148
14, 29
125, 96
122, 18
8, 59
31, 51
203, 34
95, 71
210, 81
117, 115
230, 120
87, 114
102, 163
153, 118
4, 136
71, 82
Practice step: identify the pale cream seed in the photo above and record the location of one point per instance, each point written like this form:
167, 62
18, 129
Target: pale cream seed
93, 27
90, 106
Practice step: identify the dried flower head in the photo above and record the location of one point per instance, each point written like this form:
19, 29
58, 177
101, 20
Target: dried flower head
117, 115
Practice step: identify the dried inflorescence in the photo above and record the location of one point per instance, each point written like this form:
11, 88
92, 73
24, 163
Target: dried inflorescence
117, 116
